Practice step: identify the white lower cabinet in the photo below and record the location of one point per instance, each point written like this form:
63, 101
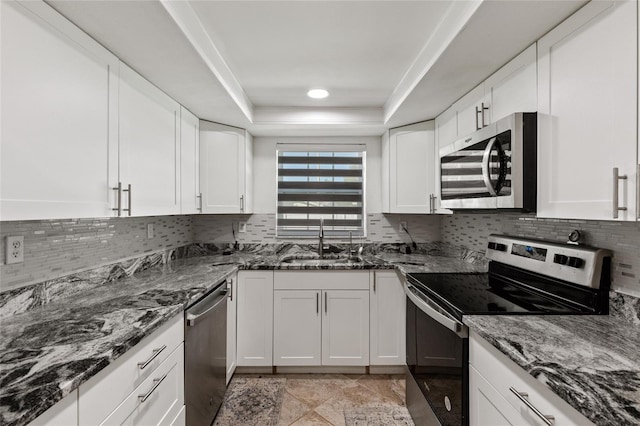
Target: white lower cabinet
387, 308
321, 318
345, 327
297, 327
181, 418
64, 413
232, 309
493, 379
155, 366
255, 319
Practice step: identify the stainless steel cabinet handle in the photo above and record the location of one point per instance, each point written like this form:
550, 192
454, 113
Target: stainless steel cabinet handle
325, 302
616, 178
230, 286
317, 303
199, 197
374, 282
435, 203
242, 203
128, 191
156, 383
522, 396
482, 110
118, 190
153, 356
477, 122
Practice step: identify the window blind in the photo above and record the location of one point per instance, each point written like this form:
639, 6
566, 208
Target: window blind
320, 184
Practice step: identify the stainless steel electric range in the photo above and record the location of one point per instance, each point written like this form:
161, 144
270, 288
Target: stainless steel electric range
526, 277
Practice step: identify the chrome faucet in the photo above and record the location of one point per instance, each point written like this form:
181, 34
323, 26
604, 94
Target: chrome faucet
321, 239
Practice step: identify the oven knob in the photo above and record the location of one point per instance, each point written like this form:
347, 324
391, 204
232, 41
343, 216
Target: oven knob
575, 262
561, 259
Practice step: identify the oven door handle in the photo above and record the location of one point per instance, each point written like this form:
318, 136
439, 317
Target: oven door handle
450, 323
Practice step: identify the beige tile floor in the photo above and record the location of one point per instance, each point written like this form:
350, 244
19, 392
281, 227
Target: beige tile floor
320, 399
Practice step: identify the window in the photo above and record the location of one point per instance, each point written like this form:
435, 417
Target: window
320, 183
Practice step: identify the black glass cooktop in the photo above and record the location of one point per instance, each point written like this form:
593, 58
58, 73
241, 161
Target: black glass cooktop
489, 294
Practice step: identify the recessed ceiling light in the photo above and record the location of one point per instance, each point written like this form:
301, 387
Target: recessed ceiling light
317, 93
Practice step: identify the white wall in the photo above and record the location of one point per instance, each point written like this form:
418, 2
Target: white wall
265, 169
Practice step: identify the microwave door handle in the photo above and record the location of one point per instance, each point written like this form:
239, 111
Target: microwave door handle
486, 160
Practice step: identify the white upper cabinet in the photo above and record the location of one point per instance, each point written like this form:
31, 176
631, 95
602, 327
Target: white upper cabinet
587, 124
471, 111
411, 157
149, 148
190, 195
59, 140
513, 88
226, 161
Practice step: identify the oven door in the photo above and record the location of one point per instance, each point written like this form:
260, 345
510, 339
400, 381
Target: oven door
437, 363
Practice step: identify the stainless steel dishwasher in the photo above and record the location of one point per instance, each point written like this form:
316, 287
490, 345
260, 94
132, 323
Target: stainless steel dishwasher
205, 356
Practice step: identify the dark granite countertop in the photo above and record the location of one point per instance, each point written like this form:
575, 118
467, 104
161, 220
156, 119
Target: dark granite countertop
48, 351
592, 362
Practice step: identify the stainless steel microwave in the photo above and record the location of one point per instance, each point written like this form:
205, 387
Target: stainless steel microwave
493, 168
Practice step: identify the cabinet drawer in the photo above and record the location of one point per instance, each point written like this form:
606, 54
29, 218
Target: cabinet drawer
321, 280
158, 400
102, 394
503, 374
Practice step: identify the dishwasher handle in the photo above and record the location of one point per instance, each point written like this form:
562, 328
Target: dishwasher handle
191, 319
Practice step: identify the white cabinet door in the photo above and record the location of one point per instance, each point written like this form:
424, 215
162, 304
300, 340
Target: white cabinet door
190, 196
232, 312
255, 318
225, 161
63, 413
345, 327
513, 88
297, 327
486, 406
148, 147
587, 121
388, 322
469, 112
59, 132
411, 168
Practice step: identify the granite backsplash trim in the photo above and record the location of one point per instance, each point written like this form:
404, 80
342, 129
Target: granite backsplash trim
260, 229
625, 307
59, 247
30, 297
33, 296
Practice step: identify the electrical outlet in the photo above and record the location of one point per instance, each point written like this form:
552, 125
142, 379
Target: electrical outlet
242, 226
403, 226
15, 249
150, 230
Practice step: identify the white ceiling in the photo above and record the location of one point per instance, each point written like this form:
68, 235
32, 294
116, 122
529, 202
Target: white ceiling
250, 63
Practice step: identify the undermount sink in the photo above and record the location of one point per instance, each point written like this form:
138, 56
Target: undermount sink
324, 261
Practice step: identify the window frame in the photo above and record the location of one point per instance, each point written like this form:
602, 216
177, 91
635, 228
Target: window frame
325, 147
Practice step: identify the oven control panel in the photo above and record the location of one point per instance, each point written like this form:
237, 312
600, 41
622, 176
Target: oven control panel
577, 264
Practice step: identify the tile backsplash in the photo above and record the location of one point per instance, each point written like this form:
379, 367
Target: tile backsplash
623, 238
260, 228
54, 248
